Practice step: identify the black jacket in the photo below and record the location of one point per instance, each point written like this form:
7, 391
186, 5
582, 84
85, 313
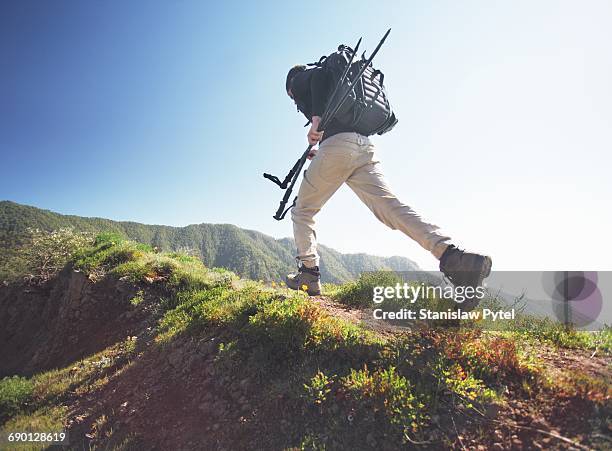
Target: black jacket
311, 90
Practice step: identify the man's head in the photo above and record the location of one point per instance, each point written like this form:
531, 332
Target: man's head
291, 75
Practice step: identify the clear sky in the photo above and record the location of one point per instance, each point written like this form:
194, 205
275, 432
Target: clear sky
168, 112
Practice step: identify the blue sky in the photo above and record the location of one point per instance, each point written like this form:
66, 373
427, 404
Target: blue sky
168, 113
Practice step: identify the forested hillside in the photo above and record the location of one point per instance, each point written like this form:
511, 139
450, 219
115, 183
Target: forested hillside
248, 253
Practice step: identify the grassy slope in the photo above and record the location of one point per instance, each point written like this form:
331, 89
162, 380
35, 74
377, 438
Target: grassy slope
232, 363
248, 253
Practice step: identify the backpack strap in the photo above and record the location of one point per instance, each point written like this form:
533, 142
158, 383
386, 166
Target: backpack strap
345, 48
318, 63
380, 75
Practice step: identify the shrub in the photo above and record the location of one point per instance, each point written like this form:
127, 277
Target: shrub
44, 253
108, 238
490, 358
359, 293
466, 386
386, 392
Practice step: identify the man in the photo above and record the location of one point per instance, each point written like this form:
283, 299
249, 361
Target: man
345, 156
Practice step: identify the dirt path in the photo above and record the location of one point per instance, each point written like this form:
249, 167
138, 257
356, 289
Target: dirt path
595, 364
358, 316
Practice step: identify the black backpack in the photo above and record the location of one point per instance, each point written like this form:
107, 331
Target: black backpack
367, 109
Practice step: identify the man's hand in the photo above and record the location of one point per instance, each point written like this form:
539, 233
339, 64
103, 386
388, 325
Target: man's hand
314, 136
312, 153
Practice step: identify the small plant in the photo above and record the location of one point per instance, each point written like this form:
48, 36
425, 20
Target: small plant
384, 391
128, 347
467, 387
319, 388
136, 300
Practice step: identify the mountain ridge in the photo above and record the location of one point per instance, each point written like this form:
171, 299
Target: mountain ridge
249, 253
129, 348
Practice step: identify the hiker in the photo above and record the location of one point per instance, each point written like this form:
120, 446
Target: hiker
345, 156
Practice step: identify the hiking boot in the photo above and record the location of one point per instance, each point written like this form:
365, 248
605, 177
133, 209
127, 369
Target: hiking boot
306, 279
465, 269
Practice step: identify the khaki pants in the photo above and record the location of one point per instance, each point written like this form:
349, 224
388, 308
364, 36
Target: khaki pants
349, 158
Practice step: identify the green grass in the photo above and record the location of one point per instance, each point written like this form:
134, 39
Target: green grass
296, 325
216, 307
44, 419
359, 292
545, 329
15, 392
349, 386
108, 251
139, 263
37, 404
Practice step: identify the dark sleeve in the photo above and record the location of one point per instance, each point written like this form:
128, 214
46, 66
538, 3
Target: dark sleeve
319, 88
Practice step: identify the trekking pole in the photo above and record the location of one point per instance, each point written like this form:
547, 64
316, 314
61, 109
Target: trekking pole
327, 117
281, 211
284, 183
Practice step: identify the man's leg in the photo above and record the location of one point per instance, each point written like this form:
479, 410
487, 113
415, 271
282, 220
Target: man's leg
368, 182
462, 268
327, 171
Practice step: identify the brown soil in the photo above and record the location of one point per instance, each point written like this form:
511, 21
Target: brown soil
38, 322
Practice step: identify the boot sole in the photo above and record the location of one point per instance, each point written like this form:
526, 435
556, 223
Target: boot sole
309, 292
485, 270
